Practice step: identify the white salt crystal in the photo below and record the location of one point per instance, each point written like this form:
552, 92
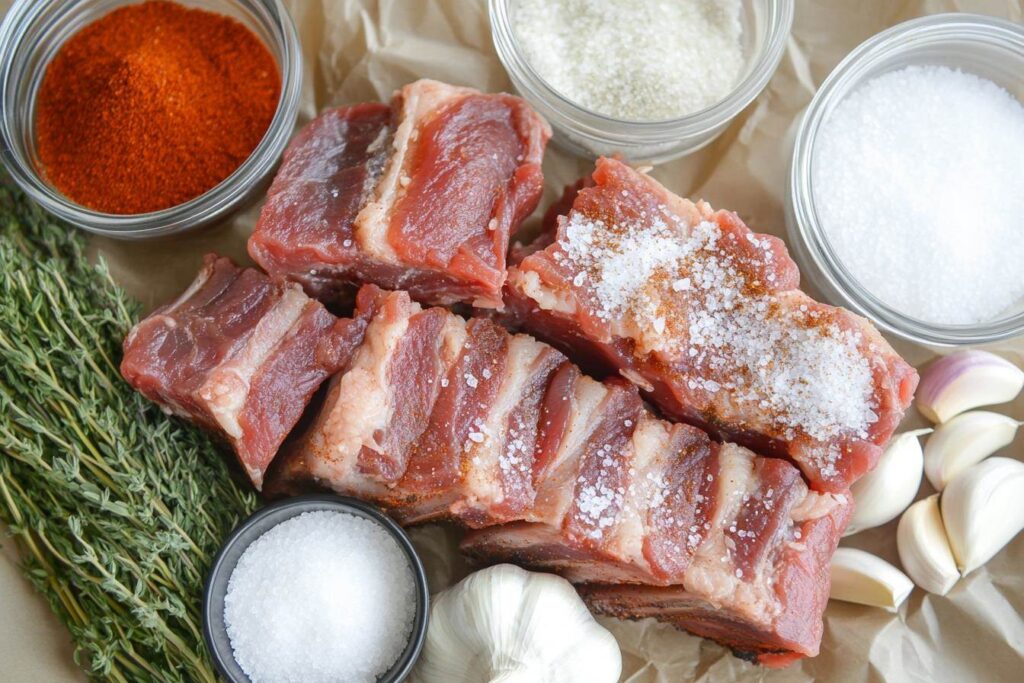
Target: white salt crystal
798, 374
634, 59
917, 183
321, 597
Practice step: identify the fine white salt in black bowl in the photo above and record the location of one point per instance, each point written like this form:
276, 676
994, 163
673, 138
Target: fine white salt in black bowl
215, 627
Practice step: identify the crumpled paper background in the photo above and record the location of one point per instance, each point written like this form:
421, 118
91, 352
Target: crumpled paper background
358, 50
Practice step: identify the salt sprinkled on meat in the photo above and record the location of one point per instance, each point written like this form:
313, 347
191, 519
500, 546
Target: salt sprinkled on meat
322, 597
796, 366
599, 504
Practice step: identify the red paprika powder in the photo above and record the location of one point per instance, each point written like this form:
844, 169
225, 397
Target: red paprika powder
152, 105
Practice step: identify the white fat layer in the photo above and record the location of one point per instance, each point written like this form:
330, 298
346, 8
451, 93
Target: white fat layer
816, 505
626, 540
227, 388
484, 478
360, 403
560, 300
453, 338
711, 574
556, 493
547, 298
372, 223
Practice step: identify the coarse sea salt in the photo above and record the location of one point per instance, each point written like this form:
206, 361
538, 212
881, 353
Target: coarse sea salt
917, 185
790, 365
322, 597
637, 60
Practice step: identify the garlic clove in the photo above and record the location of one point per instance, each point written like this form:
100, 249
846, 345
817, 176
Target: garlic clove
965, 380
886, 491
965, 440
924, 549
863, 578
982, 510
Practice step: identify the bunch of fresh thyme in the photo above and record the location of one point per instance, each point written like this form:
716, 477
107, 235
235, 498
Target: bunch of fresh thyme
116, 509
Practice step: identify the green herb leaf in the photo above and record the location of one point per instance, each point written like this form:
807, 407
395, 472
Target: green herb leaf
117, 510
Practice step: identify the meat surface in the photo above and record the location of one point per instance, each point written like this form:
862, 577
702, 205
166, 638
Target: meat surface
421, 195
240, 354
434, 417
706, 318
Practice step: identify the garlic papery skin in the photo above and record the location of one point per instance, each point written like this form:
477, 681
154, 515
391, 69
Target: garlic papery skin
510, 625
965, 440
982, 510
886, 491
859, 576
965, 380
924, 549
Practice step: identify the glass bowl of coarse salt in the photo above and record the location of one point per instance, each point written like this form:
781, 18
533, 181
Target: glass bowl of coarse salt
905, 201
647, 79
318, 589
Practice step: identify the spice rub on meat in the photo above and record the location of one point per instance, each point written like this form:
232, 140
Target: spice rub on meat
706, 318
239, 354
435, 417
421, 195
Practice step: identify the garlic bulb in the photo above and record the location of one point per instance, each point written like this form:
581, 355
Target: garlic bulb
859, 576
510, 625
965, 380
965, 440
886, 491
924, 548
983, 509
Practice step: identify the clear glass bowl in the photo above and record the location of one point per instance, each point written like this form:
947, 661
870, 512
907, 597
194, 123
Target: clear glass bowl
766, 25
988, 47
30, 36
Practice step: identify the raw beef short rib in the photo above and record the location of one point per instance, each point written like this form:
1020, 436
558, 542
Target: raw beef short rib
706, 318
420, 196
239, 354
436, 417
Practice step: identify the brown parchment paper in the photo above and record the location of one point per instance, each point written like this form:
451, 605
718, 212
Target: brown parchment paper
359, 50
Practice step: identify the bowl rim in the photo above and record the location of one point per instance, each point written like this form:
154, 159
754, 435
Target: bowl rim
804, 226
315, 502
210, 206
762, 68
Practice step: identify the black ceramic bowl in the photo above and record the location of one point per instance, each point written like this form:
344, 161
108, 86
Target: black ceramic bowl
261, 521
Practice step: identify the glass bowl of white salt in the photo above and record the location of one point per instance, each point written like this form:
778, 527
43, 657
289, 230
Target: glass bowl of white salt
316, 589
646, 79
905, 201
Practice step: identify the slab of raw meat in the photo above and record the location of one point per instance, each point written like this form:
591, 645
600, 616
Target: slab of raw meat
705, 536
238, 353
420, 196
705, 317
446, 428
558, 471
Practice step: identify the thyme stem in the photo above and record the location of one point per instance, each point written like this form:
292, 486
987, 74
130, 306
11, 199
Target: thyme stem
116, 510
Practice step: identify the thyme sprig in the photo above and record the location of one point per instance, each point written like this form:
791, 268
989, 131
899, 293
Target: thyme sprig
116, 509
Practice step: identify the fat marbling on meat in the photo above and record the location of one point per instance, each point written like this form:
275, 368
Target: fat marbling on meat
421, 195
706, 317
435, 417
238, 353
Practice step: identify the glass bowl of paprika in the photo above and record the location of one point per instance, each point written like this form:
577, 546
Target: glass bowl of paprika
136, 120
